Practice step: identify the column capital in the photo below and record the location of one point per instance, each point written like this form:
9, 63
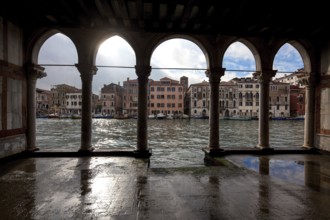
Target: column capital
264, 76
307, 79
214, 74
87, 71
143, 72
35, 71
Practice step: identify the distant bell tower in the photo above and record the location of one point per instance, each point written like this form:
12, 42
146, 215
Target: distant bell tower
184, 82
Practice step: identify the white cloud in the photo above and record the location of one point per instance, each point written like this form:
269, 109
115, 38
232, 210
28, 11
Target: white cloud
58, 49
287, 59
228, 76
238, 50
115, 52
178, 53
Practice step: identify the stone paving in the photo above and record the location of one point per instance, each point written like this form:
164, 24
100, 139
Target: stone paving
240, 187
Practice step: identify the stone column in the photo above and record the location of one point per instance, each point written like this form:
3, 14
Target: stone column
34, 72
87, 72
264, 79
214, 75
143, 72
308, 79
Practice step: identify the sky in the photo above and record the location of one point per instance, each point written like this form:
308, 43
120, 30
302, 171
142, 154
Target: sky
175, 53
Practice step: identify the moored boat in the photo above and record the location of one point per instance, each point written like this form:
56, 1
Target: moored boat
161, 116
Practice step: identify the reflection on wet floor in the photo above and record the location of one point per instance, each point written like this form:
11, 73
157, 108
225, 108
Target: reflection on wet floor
309, 170
127, 188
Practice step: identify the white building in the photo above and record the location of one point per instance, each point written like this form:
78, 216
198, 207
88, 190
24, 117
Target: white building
73, 103
291, 79
199, 96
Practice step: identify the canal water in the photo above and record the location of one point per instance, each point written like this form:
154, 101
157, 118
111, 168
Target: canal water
173, 142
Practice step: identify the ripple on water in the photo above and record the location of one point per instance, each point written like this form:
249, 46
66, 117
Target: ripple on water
173, 142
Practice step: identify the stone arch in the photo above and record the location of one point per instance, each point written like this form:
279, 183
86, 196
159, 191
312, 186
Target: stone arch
248, 43
158, 40
37, 41
126, 37
305, 55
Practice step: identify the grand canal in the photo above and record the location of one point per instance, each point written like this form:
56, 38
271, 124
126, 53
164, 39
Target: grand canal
173, 142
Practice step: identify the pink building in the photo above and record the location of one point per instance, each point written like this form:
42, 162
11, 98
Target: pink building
166, 96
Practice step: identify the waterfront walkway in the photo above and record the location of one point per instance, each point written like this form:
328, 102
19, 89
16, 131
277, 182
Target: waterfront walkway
240, 187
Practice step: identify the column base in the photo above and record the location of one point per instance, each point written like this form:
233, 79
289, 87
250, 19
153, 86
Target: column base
32, 149
214, 152
143, 153
307, 147
85, 151
265, 150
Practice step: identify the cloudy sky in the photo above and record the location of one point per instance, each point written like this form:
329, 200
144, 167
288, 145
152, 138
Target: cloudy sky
175, 53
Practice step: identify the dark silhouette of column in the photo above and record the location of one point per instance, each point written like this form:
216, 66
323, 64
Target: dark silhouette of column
264, 79
143, 72
308, 79
34, 72
214, 75
87, 72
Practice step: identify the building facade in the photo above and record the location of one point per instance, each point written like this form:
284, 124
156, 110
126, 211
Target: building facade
199, 96
43, 102
279, 100
112, 100
58, 96
166, 96
130, 97
239, 97
292, 79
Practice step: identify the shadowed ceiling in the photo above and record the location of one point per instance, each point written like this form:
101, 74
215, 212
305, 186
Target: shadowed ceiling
239, 18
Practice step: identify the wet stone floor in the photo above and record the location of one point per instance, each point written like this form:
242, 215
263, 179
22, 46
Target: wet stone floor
240, 187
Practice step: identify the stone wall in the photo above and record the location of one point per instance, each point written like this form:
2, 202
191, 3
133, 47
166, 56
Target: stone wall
323, 142
12, 90
12, 145
322, 96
